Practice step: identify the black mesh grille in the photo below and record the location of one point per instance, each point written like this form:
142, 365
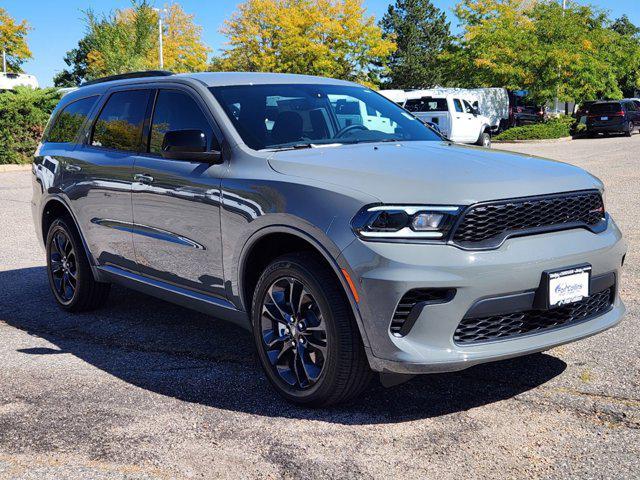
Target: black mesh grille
399, 324
492, 222
475, 330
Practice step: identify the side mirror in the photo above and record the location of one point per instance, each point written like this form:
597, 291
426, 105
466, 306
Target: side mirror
188, 145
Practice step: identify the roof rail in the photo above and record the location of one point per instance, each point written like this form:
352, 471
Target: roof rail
122, 76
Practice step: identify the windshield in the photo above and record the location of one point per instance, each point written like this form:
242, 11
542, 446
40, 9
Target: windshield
290, 116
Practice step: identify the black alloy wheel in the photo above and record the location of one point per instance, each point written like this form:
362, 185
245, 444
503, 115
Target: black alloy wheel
70, 276
307, 339
293, 333
63, 266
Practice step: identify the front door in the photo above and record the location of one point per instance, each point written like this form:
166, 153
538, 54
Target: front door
176, 203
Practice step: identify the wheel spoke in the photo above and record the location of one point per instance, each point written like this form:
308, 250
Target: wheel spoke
56, 266
274, 301
295, 295
315, 323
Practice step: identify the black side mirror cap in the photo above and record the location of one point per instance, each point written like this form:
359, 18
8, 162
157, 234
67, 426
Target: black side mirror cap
188, 145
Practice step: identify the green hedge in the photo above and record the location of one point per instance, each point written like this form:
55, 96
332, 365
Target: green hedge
554, 128
23, 115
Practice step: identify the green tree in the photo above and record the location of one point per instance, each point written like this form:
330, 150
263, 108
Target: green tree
333, 38
571, 54
421, 33
628, 42
127, 40
13, 40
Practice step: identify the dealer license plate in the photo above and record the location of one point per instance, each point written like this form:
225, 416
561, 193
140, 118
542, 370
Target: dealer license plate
568, 286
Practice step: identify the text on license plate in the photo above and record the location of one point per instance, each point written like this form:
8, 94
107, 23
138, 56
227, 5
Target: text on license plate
569, 286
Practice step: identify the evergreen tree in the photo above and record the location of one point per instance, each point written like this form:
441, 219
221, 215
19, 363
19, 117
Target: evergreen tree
421, 33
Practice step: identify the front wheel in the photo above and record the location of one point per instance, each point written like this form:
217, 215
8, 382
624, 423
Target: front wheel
484, 140
307, 340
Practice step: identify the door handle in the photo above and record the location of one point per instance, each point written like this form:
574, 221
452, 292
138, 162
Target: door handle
143, 178
72, 168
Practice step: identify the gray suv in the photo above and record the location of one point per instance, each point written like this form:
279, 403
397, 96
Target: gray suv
349, 237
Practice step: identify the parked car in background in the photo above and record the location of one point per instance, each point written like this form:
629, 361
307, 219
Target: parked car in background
491, 103
523, 111
621, 116
344, 249
9, 81
455, 117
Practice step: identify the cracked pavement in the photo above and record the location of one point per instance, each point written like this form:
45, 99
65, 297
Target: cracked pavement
143, 389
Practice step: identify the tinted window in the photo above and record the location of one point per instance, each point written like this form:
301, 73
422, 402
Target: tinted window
119, 125
176, 110
630, 106
612, 107
281, 116
69, 121
427, 104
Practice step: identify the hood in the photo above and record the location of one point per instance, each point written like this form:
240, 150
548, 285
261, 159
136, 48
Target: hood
433, 172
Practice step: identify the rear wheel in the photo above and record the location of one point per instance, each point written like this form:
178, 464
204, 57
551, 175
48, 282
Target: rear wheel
629, 131
307, 340
68, 269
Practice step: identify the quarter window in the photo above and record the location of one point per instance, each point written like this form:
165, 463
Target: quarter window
119, 125
68, 122
176, 110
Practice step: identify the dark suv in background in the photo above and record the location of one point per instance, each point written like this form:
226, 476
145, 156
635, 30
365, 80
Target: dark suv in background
613, 117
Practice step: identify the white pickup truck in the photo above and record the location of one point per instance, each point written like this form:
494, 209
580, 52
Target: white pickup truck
456, 112
456, 118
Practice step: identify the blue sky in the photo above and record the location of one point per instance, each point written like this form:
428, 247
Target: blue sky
58, 25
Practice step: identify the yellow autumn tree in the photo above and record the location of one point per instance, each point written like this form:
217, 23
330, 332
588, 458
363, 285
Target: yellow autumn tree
13, 40
333, 38
128, 40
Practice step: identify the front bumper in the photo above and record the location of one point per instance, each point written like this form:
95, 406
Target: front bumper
386, 271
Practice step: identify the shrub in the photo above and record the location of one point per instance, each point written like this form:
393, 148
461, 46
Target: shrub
23, 115
554, 128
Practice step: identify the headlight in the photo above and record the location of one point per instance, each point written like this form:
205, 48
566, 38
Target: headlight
405, 221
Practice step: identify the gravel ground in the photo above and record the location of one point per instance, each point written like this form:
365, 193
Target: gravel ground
143, 389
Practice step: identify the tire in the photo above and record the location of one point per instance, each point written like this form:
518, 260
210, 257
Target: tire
629, 131
484, 140
322, 320
70, 277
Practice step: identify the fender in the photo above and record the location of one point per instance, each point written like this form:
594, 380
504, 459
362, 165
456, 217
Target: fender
330, 257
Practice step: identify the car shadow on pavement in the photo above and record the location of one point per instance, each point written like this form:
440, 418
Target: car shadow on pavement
183, 354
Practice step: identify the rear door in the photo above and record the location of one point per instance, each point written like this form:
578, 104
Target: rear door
99, 179
176, 203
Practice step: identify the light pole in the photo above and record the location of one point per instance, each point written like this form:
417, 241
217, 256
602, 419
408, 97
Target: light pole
4, 61
160, 53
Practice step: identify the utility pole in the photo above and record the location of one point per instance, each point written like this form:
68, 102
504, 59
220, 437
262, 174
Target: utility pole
160, 53
4, 61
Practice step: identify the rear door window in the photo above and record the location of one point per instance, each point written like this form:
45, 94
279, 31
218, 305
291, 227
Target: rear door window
176, 110
426, 104
119, 125
67, 124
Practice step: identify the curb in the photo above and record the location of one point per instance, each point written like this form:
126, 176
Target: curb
545, 140
15, 168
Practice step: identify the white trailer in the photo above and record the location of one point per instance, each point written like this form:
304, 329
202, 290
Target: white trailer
9, 81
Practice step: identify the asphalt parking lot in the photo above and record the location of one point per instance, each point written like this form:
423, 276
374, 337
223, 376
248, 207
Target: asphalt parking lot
143, 389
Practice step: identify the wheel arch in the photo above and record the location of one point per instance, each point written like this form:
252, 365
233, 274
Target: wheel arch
274, 241
55, 207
